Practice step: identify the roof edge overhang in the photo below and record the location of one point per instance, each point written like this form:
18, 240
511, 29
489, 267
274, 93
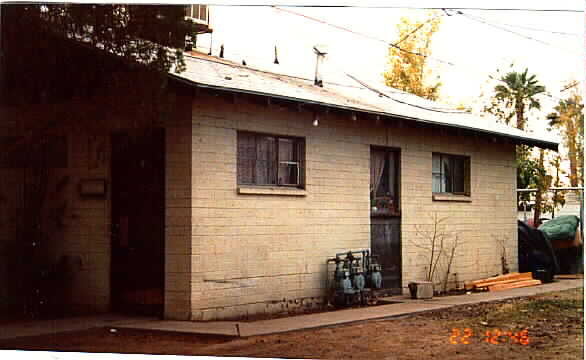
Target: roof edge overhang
547, 145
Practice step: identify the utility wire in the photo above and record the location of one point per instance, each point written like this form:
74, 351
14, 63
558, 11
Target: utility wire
573, 84
417, 28
363, 35
470, 68
382, 94
536, 29
385, 95
403, 7
481, 20
388, 43
395, 44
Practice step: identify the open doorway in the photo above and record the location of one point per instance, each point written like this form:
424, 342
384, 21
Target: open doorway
138, 222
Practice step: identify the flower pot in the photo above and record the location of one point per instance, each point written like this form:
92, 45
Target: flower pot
421, 289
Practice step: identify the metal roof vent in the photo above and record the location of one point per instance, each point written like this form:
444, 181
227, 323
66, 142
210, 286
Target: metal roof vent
320, 51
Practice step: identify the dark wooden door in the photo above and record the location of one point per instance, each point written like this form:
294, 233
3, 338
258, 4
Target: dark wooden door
138, 218
385, 235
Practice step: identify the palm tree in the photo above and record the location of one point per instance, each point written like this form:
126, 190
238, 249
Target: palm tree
518, 91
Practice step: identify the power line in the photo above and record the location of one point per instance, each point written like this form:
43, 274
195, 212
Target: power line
470, 68
380, 93
363, 35
536, 29
405, 7
383, 94
573, 84
388, 43
417, 28
481, 20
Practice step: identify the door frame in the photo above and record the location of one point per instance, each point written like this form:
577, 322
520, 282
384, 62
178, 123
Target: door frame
388, 149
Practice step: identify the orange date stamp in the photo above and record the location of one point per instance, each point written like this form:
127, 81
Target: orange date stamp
495, 337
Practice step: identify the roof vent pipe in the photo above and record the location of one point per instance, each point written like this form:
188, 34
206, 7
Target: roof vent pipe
276, 57
321, 52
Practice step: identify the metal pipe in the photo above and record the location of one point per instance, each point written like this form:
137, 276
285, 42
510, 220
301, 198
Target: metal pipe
555, 195
351, 252
582, 228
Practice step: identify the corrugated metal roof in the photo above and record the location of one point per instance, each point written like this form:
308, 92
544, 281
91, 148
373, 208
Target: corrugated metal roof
208, 71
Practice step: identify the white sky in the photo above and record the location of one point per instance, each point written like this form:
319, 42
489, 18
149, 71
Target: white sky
477, 50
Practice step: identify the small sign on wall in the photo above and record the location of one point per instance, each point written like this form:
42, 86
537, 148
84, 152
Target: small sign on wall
95, 188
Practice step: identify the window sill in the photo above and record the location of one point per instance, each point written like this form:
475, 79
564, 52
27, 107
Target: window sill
452, 197
270, 190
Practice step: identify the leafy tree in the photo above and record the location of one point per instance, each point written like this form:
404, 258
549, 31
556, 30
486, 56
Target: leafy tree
527, 176
568, 118
38, 62
407, 59
558, 198
542, 184
532, 174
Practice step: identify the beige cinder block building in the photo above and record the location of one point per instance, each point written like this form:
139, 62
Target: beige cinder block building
231, 206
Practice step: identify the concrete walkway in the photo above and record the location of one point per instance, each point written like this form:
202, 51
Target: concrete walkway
406, 306
43, 327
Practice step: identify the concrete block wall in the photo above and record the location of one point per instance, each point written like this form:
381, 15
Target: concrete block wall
75, 227
85, 230
480, 224
262, 253
178, 259
230, 255
86, 223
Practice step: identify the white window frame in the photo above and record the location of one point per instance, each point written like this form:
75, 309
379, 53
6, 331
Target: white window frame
196, 9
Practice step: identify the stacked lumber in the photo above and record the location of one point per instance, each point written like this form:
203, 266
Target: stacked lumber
503, 282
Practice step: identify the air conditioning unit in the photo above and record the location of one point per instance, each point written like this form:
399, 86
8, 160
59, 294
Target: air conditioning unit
197, 13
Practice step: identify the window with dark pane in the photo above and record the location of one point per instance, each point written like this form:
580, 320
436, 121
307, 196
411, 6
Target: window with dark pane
384, 181
450, 174
270, 160
266, 156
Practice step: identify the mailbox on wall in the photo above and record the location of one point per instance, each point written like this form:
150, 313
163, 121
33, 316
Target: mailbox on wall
92, 188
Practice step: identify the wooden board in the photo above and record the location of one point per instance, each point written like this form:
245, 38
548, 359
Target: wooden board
570, 276
520, 277
478, 283
514, 285
494, 278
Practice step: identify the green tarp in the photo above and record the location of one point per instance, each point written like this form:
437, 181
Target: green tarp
561, 228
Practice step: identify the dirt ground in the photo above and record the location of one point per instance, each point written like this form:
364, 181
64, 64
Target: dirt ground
554, 325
